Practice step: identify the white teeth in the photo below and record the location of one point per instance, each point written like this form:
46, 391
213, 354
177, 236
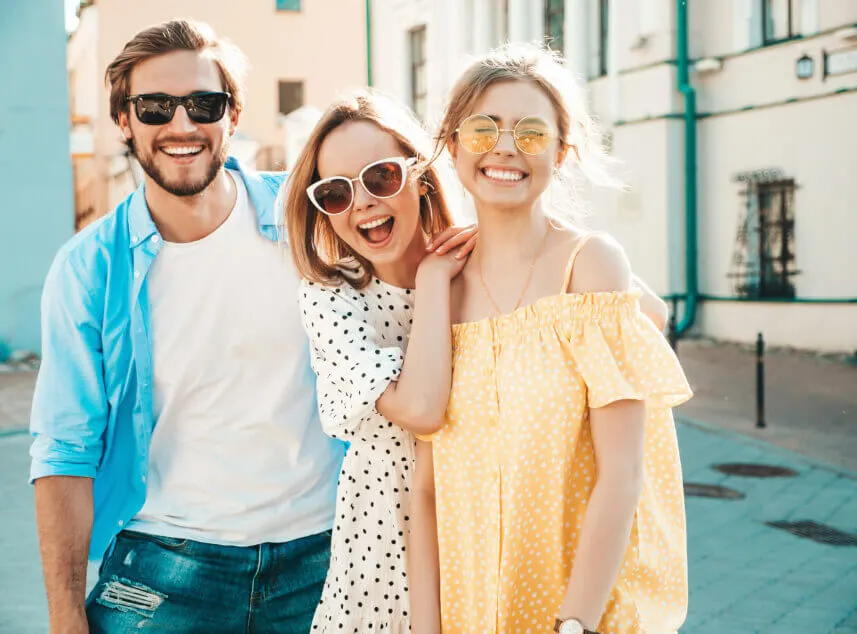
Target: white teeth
374, 223
503, 175
181, 151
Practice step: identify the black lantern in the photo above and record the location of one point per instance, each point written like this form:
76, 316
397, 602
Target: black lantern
805, 67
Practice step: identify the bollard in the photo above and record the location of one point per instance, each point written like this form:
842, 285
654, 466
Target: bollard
672, 334
760, 382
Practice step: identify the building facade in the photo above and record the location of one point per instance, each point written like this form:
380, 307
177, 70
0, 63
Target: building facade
301, 53
775, 85
35, 173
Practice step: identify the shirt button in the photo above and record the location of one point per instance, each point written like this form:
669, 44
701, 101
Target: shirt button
143, 479
121, 523
156, 239
136, 274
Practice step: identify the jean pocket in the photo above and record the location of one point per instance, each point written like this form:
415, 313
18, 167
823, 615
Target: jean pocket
176, 544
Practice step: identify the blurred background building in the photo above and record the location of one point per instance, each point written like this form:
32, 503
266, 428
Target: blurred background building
36, 209
774, 127
301, 53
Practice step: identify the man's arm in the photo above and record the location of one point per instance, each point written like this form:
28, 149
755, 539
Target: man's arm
68, 420
64, 517
651, 305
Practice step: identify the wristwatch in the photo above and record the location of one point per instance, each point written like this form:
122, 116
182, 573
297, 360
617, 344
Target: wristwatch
570, 626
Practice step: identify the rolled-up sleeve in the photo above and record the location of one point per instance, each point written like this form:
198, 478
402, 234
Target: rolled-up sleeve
69, 413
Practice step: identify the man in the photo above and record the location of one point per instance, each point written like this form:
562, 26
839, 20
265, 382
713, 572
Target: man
174, 418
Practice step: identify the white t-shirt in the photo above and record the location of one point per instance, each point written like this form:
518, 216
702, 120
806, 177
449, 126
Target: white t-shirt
238, 456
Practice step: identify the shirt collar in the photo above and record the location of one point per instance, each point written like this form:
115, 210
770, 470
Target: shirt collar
142, 227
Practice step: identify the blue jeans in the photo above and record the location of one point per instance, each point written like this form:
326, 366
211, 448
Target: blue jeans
161, 584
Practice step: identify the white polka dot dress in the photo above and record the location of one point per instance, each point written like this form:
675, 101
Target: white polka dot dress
358, 339
515, 466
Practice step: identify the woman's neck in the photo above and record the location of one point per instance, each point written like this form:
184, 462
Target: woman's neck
508, 235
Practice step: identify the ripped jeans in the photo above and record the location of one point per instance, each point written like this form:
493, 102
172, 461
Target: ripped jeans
161, 584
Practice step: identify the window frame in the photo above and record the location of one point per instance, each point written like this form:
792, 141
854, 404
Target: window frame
556, 41
771, 40
603, 38
419, 100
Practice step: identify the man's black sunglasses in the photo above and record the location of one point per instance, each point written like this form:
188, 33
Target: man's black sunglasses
201, 107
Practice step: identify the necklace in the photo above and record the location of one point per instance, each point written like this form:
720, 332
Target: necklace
526, 284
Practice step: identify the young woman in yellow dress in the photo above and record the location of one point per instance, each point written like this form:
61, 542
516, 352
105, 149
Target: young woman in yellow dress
551, 498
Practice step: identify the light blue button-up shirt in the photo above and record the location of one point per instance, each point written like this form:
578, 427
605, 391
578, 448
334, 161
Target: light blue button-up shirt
92, 411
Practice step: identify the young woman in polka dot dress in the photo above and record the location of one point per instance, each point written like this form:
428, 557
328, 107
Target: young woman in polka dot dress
555, 480
362, 202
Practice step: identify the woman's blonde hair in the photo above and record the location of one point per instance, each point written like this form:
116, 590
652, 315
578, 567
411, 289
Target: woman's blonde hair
318, 253
577, 131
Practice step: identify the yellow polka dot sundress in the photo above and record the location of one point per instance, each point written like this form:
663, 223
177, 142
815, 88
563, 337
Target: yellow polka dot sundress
514, 465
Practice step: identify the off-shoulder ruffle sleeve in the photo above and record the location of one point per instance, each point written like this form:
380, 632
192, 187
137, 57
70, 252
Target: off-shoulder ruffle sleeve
620, 353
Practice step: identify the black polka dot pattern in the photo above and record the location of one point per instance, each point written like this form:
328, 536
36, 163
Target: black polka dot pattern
357, 343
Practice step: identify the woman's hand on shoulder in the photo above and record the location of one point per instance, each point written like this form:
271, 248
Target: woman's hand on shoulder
443, 267
601, 266
448, 252
461, 240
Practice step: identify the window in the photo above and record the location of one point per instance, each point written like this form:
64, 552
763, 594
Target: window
555, 24
288, 5
763, 261
291, 96
777, 22
603, 36
418, 71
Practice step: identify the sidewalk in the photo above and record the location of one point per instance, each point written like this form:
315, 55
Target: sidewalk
746, 577
810, 401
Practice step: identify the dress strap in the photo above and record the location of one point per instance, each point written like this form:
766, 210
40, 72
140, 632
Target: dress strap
570, 267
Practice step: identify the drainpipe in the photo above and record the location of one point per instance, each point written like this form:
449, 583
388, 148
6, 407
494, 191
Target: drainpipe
369, 43
690, 184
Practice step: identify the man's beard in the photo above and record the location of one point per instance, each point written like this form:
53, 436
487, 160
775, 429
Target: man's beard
184, 188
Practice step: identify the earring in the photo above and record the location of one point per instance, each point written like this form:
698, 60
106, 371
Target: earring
430, 214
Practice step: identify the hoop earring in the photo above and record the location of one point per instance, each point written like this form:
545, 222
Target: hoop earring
430, 214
